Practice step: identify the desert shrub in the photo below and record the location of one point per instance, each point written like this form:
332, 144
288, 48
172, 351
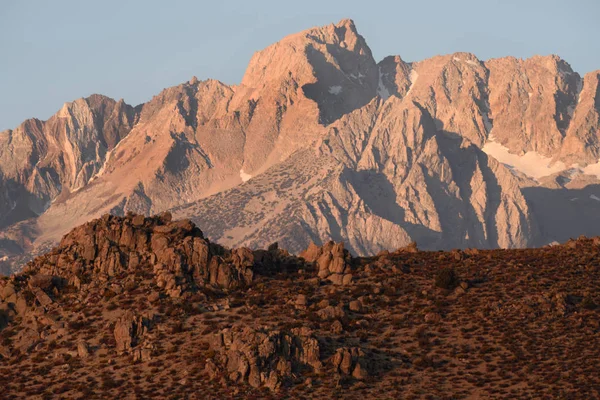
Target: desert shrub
424, 362
29, 296
588, 303
178, 327
110, 383
76, 325
422, 337
446, 278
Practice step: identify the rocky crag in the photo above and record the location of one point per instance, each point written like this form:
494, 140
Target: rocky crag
320, 142
148, 307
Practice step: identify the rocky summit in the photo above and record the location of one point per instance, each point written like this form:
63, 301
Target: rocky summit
322, 142
141, 307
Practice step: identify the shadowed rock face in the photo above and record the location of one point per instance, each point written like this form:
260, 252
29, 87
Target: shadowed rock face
264, 358
319, 142
133, 306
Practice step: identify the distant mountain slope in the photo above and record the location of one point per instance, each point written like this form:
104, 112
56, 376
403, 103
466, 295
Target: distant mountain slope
395, 151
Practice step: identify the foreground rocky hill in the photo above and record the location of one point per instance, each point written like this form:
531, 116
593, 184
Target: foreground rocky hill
134, 307
320, 141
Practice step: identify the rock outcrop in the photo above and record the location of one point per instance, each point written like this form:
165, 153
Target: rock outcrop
350, 362
129, 330
332, 260
264, 357
175, 251
94, 317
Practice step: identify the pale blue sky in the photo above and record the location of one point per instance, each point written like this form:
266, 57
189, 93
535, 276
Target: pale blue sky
57, 51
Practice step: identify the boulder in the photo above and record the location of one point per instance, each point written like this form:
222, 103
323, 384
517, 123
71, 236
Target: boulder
129, 330
332, 261
301, 300
82, 349
350, 361
263, 357
355, 306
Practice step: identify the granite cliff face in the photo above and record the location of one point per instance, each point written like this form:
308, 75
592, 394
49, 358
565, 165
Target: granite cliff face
40, 160
319, 142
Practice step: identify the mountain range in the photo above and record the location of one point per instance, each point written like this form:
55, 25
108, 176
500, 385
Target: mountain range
320, 142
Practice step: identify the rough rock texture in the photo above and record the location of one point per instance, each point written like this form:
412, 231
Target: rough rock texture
129, 330
95, 318
39, 160
176, 251
350, 361
319, 142
265, 358
531, 102
332, 260
91, 320
582, 139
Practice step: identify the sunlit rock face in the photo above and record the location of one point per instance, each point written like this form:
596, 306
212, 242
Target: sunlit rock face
321, 142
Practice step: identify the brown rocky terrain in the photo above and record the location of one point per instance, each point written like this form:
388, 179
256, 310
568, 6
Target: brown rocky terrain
320, 141
135, 307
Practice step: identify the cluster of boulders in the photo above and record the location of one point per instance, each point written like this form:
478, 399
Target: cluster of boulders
351, 361
131, 335
175, 251
332, 260
29, 298
12, 301
261, 357
547, 305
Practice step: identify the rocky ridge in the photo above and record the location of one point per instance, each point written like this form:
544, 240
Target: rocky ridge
147, 307
451, 151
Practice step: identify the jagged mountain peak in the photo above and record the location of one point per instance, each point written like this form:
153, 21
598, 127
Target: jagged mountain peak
287, 56
331, 65
318, 141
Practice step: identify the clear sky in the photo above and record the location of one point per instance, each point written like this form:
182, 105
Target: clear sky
60, 50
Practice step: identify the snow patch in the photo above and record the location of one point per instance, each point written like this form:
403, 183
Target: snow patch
571, 174
457, 59
107, 158
579, 89
412, 77
359, 76
382, 91
531, 163
592, 169
245, 177
103, 167
594, 197
575, 198
335, 90
472, 63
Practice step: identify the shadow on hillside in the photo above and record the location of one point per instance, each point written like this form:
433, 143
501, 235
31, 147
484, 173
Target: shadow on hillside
378, 193
332, 106
565, 213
